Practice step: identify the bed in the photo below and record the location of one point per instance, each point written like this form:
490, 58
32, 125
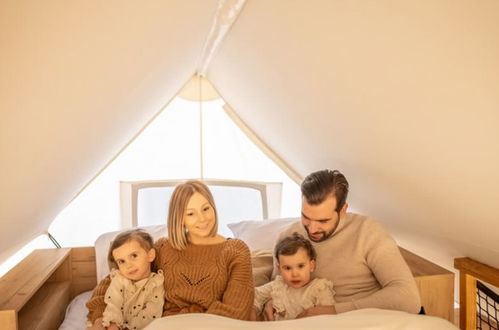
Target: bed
61, 279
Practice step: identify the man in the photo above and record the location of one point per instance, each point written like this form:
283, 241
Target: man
353, 251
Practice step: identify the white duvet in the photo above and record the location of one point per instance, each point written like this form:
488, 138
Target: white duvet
369, 319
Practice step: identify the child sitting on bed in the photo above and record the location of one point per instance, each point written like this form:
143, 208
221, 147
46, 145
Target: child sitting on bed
294, 291
136, 294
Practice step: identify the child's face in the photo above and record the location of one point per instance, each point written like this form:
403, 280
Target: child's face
297, 268
133, 261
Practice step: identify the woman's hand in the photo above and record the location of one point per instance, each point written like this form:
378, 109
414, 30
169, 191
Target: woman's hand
97, 325
253, 315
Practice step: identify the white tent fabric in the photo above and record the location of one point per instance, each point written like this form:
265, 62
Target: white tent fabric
400, 96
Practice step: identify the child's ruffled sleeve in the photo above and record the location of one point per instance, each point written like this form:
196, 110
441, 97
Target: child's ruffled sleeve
156, 299
262, 295
114, 300
324, 293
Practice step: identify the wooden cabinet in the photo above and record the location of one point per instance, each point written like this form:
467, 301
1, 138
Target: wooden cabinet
40, 283
35, 293
435, 284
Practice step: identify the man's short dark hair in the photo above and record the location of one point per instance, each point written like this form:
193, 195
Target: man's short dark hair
317, 186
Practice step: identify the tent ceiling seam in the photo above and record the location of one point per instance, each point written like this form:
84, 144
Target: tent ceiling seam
226, 14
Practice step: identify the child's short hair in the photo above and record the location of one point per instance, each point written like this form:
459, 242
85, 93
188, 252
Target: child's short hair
290, 245
141, 236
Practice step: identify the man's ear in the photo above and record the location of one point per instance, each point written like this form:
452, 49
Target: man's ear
151, 255
343, 211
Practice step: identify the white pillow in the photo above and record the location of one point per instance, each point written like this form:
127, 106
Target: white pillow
260, 234
103, 241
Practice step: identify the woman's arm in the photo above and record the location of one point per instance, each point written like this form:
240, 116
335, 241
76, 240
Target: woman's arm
238, 298
96, 304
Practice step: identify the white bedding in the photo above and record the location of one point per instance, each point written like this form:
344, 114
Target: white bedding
372, 319
76, 313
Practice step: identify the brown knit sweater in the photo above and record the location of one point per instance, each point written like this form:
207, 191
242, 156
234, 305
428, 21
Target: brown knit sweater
215, 279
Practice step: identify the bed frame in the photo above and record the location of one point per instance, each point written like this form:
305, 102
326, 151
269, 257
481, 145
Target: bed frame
35, 293
469, 272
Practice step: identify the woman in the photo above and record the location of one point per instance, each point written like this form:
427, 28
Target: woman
204, 272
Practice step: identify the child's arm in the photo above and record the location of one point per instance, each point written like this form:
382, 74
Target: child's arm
325, 293
324, 300
114, 301
262, 295
155, 300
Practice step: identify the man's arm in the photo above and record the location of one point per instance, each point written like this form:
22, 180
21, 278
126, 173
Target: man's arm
398, 287
317, 310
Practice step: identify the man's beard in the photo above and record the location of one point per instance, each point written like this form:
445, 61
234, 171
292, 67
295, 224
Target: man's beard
324, 236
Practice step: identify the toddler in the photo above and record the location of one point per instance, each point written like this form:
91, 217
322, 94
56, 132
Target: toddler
136, 294
294, 291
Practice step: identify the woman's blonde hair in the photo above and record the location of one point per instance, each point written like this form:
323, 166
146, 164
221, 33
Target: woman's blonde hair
178, 203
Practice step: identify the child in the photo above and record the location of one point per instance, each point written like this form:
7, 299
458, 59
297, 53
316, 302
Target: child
136, 295
293, 291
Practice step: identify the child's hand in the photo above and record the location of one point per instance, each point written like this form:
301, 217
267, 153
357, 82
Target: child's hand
268, 311
113, 326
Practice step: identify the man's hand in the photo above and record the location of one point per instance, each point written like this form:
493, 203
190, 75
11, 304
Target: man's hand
268, 311
317, 310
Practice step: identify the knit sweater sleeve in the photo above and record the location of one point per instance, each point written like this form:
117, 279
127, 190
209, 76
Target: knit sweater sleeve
398, 287
96, 304
237, 301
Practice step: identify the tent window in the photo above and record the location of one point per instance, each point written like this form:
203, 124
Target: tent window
169, 148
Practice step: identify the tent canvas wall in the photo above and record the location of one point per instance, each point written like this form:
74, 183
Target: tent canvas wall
402, 97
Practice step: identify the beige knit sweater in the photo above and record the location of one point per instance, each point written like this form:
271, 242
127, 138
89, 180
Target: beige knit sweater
365, 265
215, 279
